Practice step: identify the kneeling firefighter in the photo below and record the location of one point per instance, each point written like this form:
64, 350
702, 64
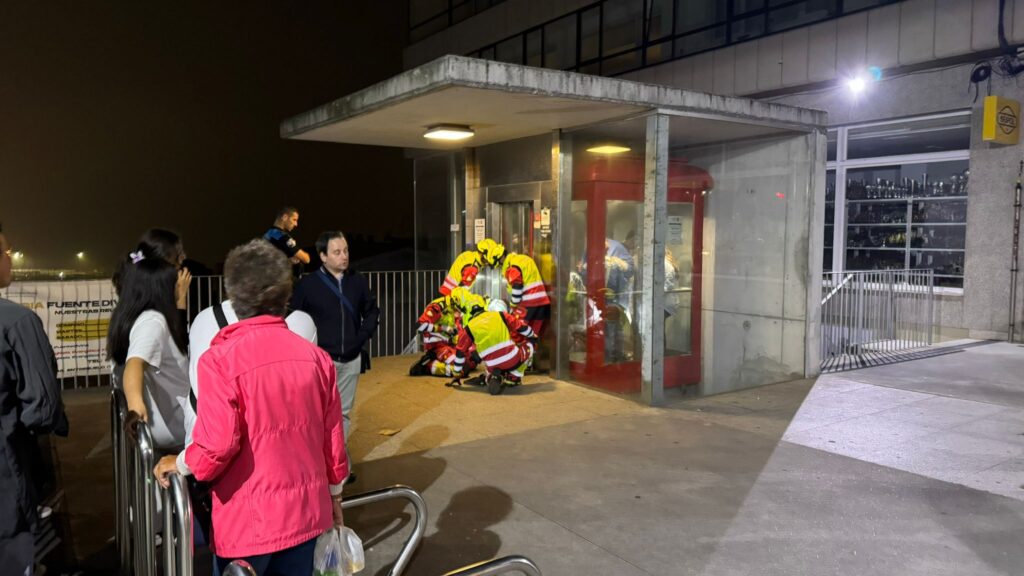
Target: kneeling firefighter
504, 342
439, 327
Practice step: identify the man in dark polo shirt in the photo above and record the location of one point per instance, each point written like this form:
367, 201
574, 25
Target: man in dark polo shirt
344, 311
279, 235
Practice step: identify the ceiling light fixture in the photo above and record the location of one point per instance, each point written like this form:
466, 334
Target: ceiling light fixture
608, 149
450, 132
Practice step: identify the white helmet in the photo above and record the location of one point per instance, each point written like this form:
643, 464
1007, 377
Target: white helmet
497, 305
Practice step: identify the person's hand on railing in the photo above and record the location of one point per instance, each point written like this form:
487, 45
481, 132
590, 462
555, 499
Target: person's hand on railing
164, 468
132, 419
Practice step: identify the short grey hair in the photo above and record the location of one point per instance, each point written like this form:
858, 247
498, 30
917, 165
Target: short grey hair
258, 280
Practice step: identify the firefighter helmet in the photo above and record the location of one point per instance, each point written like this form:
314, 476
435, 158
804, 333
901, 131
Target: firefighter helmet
490, 252
467, 302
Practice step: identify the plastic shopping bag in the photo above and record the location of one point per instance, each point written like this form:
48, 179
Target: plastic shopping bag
338, 552
352, 550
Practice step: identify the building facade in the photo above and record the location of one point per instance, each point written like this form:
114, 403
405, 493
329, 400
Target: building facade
910, 181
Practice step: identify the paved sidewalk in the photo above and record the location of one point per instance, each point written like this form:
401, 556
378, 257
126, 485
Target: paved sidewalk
907, 469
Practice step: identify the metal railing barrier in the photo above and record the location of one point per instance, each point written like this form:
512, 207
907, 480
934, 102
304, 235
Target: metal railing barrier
401, 297
499, 566
177, 528
871, 315
135, 493
391, 493
142, 487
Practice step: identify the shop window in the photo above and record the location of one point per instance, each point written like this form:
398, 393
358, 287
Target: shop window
830, 218
891, 206
940, 134
560, 43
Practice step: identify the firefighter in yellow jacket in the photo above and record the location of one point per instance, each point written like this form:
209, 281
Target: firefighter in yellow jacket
504, 343
463, 272
525, 285
439, 326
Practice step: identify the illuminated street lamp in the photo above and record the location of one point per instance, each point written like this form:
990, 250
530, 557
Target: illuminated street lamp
80, 255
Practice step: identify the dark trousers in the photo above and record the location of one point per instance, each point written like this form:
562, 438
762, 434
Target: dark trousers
294, 561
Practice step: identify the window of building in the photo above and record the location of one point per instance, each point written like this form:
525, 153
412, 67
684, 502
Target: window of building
560, 43
693, 15
622, 26
612, 37
896, 196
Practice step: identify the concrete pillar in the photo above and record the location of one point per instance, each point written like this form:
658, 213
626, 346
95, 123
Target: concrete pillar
652, 281
562, 155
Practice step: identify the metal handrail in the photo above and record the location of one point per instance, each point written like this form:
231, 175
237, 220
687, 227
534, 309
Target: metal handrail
145, 503
177, 528
391, 493
499, 566
836, 289
122, 518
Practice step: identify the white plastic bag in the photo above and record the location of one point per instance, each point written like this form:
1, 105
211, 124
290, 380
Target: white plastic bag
352, 550
338, 552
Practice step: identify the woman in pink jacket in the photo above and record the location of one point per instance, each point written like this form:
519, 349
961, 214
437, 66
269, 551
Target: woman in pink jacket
268, 436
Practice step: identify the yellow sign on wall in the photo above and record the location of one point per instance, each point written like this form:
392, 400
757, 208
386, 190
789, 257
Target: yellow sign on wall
1002, 120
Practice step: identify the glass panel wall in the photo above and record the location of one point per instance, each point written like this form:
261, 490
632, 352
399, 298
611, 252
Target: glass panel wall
600, 316
736, 249
749, 249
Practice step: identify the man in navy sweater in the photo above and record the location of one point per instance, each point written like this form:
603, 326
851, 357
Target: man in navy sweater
344, 311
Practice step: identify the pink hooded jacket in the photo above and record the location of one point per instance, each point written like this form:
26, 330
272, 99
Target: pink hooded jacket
268, 437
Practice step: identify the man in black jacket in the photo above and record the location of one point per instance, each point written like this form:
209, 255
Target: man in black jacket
344, 311
30, 404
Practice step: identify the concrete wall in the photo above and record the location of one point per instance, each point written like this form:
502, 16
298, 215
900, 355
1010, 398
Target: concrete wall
904, 34
757, 225
908, 33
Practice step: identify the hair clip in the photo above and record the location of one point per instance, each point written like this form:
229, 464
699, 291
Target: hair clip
137, 256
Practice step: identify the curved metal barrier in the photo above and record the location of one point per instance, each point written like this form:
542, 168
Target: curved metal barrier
122, 508
391, 493
142, 487
135, 493
499, 566
177, 528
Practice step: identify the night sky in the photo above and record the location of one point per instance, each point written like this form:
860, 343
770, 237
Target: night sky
120, 116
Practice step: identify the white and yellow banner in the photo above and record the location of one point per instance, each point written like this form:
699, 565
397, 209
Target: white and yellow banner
76, 315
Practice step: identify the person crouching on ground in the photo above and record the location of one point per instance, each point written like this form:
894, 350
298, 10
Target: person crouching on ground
268, 435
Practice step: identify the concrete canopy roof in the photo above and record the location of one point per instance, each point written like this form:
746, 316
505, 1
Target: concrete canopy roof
507, 101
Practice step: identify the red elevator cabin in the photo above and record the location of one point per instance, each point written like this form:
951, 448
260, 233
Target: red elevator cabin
606, 289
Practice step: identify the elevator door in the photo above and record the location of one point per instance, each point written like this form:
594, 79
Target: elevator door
513, 226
